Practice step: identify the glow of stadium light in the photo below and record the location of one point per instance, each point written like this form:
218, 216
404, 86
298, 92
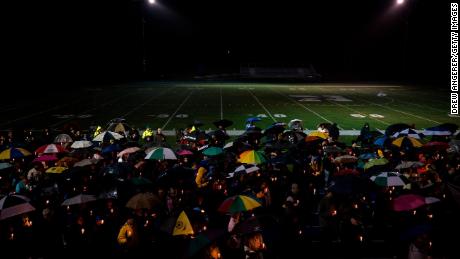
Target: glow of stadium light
153, 1
400, 2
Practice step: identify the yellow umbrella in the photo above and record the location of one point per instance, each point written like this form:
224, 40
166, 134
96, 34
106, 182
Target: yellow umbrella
251, 157
56, 169
318, 134
414, 142
183, 226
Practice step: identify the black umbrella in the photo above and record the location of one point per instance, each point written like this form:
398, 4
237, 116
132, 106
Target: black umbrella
224, 123
275, 128
392, 129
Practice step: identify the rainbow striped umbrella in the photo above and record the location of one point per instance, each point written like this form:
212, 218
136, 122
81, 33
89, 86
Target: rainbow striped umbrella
251, 157
12, 153
238, 203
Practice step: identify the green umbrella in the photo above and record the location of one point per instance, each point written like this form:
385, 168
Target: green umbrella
374, 162
161, 153
213, 151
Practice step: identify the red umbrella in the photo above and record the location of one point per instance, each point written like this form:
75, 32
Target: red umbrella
45, 158
184, 152
50, 149
408, 202
347, 171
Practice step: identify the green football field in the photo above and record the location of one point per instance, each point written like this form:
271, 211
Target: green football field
173, 105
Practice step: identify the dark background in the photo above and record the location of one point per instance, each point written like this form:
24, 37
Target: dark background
100, 40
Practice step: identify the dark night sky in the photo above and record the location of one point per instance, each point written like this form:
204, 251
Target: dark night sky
354, 40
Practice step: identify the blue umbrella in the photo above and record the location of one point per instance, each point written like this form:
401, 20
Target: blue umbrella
253, 119
367, 156
111, 148
380, 141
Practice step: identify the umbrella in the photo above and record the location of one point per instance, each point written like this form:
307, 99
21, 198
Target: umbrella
436, 145
13, 153
409, 164
184, 152
14, 204
79, 199
294, 136
380, 141
107, 136
275, 128
81, 144
332, 149
238, 203
86, 162
244, 169
50, 149
5, 165
318, 134
251, 157
406, 142
213, 151
145, 200
389, 179
408, 202
224, 123
407, 133
161, 153
366, 156
63, 138
67, 161
140, 181
445, 129
119, 127
228, 145
45, 158
111, 148
347, 171
375, 162
253, 119
345, 159
56, 169
129, 150
392, 129
182, 226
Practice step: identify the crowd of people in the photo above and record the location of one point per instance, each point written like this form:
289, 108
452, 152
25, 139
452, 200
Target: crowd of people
268, 193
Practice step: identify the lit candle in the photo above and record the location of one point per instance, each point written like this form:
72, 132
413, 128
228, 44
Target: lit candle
364, 198
431, 244
300, 232
129, 233
355, 205
334, 212
361, 238
12, 236
444, 195
47, 201
202, 211
314, 191
82, 231
415, 212
91, 212
102, 222
430, 216
68, 207
154, 215
204, 228
111, 210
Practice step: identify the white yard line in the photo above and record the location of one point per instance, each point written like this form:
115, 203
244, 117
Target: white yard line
261, 105
363, 113
306, 108
144, 103
177, 110
403, 112
221, 104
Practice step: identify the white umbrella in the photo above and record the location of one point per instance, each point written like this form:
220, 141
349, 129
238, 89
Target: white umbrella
79, 199
81, 144
106, 135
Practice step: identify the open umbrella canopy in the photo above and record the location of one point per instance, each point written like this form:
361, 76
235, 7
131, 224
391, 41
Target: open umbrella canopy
213, 151
409, 164
244, 169
145, 200
253, 119
13, 205
56, 170
389, 179
86, 162
45, 158
106, 136
161, 153
50, 149
366, 156
79, 199
184, 152
182, 226
224, 123
119, 127
67, 161
445, 129
128, 151
251, 157
408, 202
407, 133
318, 134
5, 166
63, 138
295, 124
436, 145
345, 159
407, 142
380, 141
14, 153
238, 203
375, 162
111, 148
81, 144
275, 128
392, 129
